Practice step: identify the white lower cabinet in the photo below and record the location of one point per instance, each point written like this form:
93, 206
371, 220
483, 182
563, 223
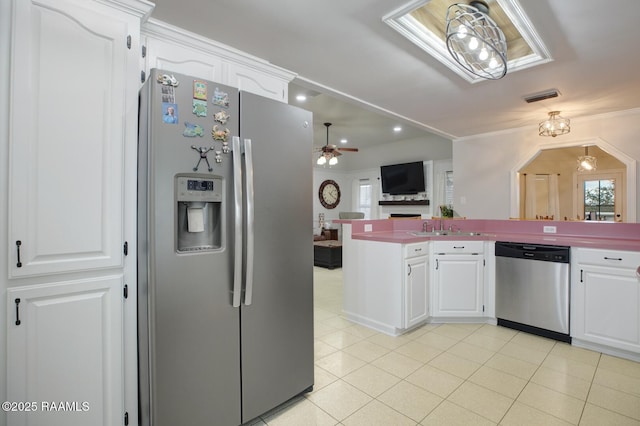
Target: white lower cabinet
388, 288
416, 284
605, 298
64, 343
458, 279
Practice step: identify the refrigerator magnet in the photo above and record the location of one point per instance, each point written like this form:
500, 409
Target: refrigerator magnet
167, 80
219, 135
199, 90
168, 94
220, 98
169, 113
221, 117
192, 130
200, 107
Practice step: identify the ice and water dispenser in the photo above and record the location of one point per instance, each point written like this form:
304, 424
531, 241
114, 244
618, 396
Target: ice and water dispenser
199, 202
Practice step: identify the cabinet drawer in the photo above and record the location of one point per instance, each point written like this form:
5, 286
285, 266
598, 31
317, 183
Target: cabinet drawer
613, 258
458, 247
418, 249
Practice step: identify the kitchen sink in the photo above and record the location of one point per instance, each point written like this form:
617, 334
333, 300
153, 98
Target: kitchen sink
444, 233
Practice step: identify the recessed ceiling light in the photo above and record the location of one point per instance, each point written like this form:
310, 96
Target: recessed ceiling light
301, 98
343, 141
397, 129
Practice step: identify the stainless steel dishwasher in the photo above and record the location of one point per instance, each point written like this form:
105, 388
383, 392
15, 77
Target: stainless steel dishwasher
532, 288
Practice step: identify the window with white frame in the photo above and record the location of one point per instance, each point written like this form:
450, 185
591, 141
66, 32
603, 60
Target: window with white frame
365, 192
448, 187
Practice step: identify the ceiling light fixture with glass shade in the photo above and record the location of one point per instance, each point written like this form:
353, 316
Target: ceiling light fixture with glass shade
555, 125
586, 162
423, 22
475, 41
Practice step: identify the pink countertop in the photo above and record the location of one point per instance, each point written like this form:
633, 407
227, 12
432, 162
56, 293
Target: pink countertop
603, 235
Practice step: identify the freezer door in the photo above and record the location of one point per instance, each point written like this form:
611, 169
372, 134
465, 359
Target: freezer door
277, 327
190, 332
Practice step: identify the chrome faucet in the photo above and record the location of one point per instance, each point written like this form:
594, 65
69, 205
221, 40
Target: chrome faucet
425, 226
441, 224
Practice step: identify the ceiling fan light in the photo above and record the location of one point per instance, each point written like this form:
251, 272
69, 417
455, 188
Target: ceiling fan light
333, 161
321, 160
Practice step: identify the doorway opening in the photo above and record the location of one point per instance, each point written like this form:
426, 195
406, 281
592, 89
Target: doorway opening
561, 160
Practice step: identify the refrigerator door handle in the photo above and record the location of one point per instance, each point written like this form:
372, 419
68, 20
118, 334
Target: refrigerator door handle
237, 203
248, 158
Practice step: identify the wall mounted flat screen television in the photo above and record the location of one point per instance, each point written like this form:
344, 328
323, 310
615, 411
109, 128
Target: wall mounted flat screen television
405, 178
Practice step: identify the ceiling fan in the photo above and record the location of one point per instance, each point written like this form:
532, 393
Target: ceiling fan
330, 153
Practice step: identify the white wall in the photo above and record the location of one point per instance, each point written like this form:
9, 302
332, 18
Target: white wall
482, 164
430, 147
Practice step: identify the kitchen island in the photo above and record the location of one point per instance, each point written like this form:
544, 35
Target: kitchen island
397, 277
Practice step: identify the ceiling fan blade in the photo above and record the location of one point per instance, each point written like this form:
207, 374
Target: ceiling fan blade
336, 153
348, 149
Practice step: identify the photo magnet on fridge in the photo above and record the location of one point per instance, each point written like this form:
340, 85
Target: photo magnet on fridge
168, 94
169, 113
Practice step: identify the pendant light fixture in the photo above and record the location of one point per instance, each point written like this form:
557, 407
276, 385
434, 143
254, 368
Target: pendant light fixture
475, 41
555, 125
586, 162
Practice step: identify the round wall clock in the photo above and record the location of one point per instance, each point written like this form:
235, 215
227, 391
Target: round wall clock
329, 194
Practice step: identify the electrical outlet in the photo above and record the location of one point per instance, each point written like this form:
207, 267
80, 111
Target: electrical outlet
549, 229
368, 227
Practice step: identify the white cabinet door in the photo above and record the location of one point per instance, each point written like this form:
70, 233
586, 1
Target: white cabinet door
416, 291
64, 344
169, 56
256, 81
458, 286
178, 50
73, 105
606, 307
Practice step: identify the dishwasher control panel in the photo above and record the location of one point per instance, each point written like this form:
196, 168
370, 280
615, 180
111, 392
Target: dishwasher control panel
542, 252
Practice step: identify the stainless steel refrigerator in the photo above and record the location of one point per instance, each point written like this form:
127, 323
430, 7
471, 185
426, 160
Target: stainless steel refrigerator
225, 259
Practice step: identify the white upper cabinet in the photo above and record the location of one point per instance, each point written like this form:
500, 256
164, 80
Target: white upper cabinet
73, 103
170, 56
177, 50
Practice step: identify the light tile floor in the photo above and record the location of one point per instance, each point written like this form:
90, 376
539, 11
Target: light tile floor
453, 374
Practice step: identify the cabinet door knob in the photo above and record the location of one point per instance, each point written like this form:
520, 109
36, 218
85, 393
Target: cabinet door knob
638, 272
